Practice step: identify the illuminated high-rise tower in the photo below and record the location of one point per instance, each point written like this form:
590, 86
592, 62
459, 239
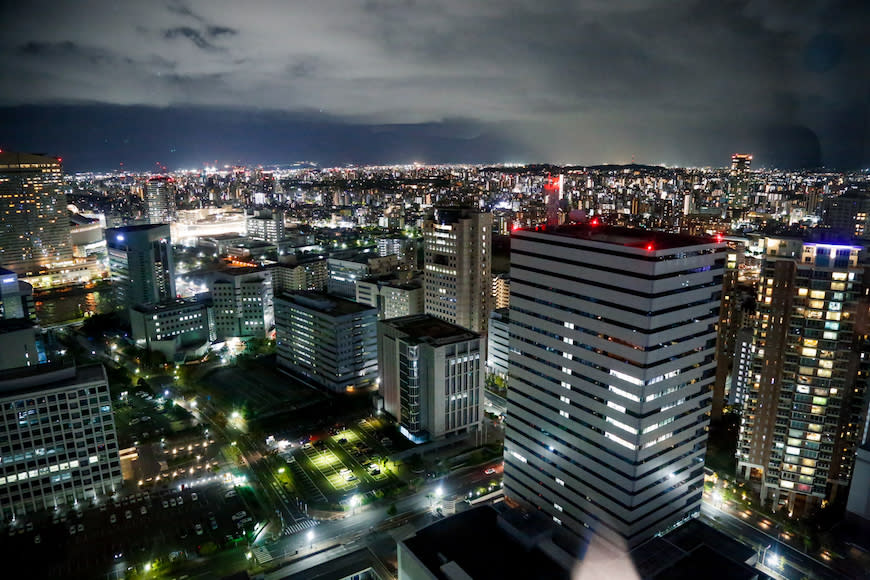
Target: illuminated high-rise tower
160, 200
457, 269
804, 402
34, 221
141, 264
740, 164
612, 344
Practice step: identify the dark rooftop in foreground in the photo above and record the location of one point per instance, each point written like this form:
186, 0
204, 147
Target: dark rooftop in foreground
628, 237
475, 541
425, 328
695, 550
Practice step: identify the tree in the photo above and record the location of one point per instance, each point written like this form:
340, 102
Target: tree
392, 510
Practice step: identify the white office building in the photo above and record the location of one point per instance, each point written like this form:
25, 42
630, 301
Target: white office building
431, 376
58, 445
613, 340
243, 302
327, 341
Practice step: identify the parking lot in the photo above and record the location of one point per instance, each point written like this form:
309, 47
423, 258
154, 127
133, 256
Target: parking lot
135, 529
345, 461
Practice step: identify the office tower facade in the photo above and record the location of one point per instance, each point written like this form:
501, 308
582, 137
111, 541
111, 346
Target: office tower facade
431, 376
160, 200
16, 296
267, 225
59, 445
612, 362
141, 264
34, 220
803, 410
328, 341
243, 302
499, 342
457, 266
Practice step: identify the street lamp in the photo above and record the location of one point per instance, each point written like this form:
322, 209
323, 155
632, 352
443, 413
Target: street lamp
354, 501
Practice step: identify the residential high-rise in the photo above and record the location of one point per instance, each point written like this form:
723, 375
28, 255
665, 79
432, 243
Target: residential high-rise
160, 200
243, 302
501, 291
34, 220
141, 264
431, 376
803, 411
295, 275
59, 445
329, 341
848, 214
457, 261
267, 225
613, 338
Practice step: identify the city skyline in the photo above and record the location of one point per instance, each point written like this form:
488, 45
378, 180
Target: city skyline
186, 83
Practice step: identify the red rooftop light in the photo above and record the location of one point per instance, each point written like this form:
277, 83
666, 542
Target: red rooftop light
594, 222
649, 247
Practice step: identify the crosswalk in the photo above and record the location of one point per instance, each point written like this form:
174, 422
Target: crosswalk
299, 526
262, 555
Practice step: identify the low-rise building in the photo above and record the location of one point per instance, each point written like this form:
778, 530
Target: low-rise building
174, 328
393, 297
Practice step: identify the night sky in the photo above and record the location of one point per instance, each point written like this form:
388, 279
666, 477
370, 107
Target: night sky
677, 82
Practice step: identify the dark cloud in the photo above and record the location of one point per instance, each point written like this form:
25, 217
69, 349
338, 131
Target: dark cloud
677, 81
195, 36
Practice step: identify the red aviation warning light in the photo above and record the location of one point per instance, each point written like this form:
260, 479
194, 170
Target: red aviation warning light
594, 222
650, 247
718, 238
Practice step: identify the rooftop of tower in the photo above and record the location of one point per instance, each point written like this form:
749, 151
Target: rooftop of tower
425, 328
596, 231
15, 160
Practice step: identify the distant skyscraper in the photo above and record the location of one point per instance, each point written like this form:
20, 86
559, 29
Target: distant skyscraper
160, 200
141, 264
802, 414
34, 221
431, 376
612, 339
457, 262
740, 164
